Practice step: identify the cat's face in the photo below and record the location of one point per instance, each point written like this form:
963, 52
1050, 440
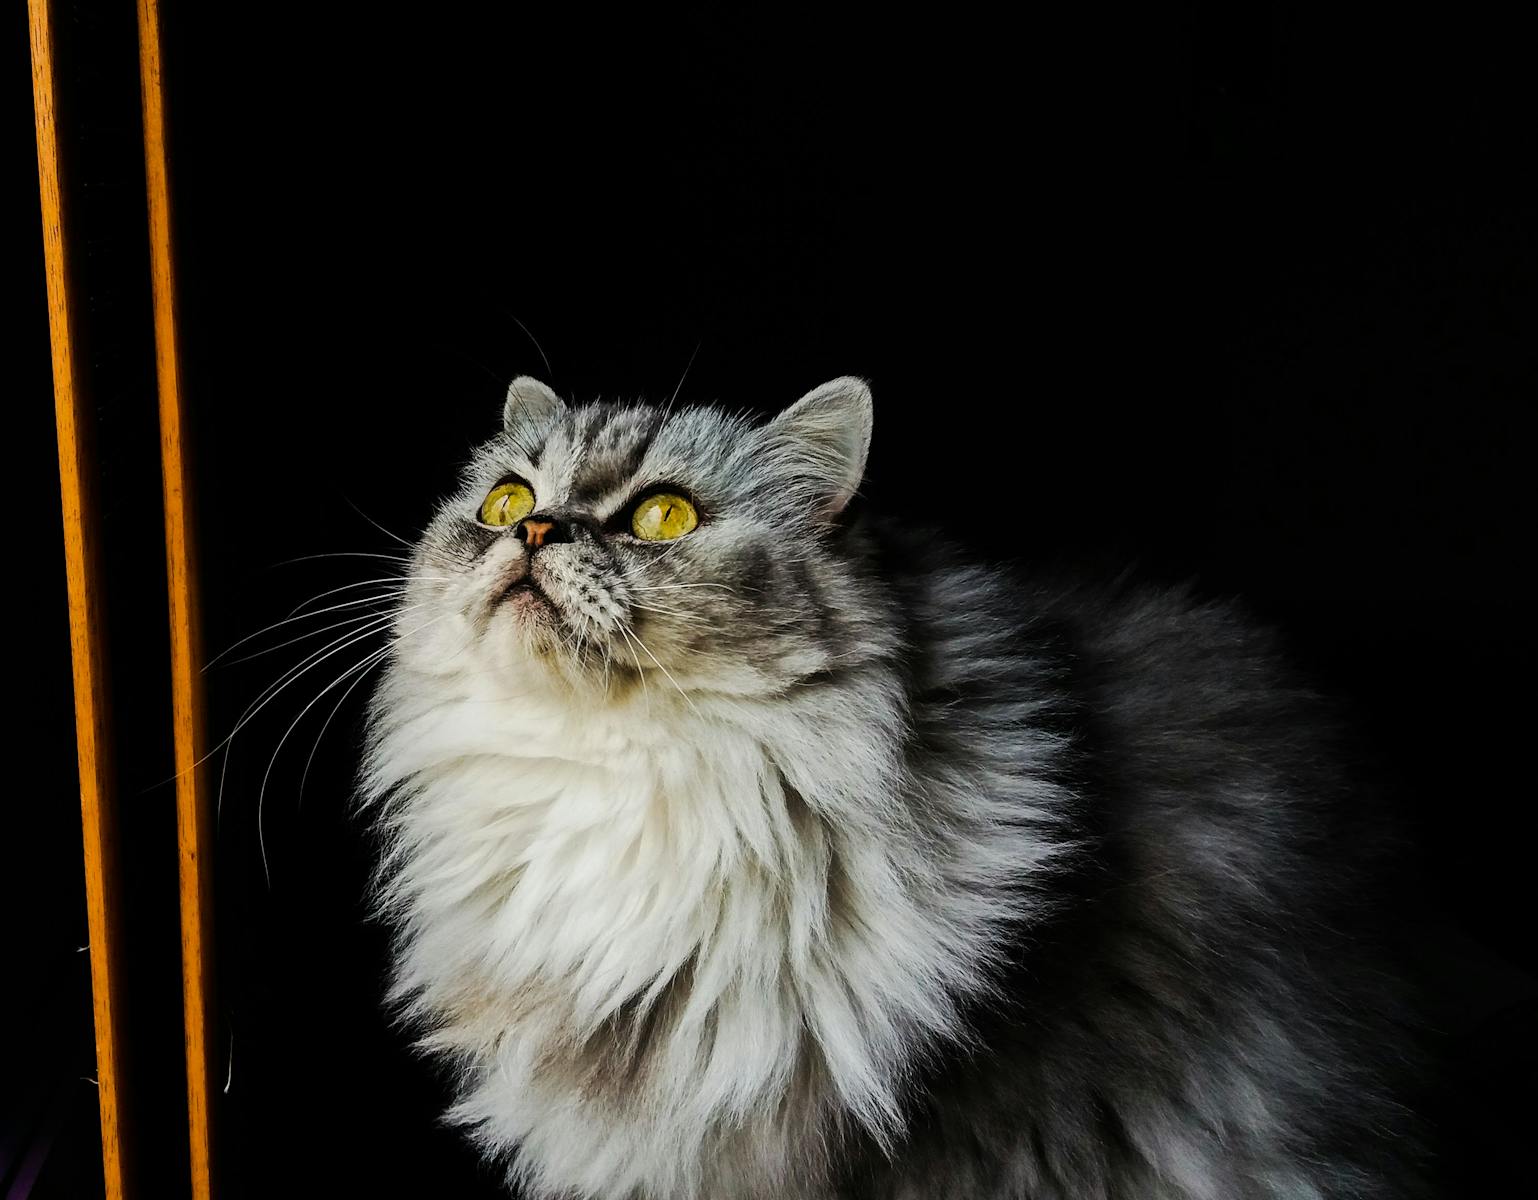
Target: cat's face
604, 545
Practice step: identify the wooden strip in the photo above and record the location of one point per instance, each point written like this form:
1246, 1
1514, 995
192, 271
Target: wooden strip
82, 560
194, 839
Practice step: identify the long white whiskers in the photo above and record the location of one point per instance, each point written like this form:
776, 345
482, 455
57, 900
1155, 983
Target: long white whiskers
288, 677
368, 661
392, 579
632, 633
290, 620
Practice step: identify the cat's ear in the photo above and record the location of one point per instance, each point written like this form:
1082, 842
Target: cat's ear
530, 406
824, 438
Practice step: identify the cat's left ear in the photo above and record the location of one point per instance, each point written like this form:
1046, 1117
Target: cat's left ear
824, 438
531, 406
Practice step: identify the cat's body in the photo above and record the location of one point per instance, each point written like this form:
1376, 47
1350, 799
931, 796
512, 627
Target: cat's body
791, 859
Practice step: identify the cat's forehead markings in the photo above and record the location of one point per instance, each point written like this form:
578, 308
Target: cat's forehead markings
614, 455
559, 462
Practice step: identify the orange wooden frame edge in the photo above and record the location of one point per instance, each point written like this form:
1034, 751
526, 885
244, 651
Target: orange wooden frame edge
87, 651
194, 839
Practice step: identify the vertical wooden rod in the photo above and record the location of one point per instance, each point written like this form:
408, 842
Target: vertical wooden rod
192, 819
82, 563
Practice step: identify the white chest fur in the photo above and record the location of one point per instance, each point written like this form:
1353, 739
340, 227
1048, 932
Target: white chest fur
642, 926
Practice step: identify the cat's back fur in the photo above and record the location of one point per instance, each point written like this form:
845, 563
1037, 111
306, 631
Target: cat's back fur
1206, 1015
933, 882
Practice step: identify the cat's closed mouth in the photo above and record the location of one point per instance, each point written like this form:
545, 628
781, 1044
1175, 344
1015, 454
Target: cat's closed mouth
525, 594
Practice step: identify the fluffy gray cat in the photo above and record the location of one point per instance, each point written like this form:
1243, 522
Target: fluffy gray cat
742, 847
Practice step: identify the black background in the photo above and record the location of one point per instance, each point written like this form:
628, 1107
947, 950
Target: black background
1245, 298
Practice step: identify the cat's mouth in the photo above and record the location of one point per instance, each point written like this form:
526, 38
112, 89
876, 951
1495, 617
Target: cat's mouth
518, 587
529, 605
524, 588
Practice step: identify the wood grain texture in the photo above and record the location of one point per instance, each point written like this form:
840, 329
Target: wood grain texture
194, 839
82, 559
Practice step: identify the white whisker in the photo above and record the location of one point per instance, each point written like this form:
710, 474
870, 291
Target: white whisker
663, 669
640, 674
391, 579
309, 663
376, 524
261, 795
400, 558
290, 620
378, 657
368, 661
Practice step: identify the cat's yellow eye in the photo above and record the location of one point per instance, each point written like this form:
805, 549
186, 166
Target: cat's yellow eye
507, 504
663, 517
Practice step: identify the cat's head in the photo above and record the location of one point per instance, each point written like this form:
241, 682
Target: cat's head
607, 544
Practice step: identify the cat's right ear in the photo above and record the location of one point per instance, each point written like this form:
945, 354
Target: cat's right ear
531, 406
823, 439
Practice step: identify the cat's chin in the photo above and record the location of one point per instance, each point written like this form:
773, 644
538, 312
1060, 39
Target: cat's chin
530, 611
539, 625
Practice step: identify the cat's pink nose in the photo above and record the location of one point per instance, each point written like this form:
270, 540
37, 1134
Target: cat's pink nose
535, 532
